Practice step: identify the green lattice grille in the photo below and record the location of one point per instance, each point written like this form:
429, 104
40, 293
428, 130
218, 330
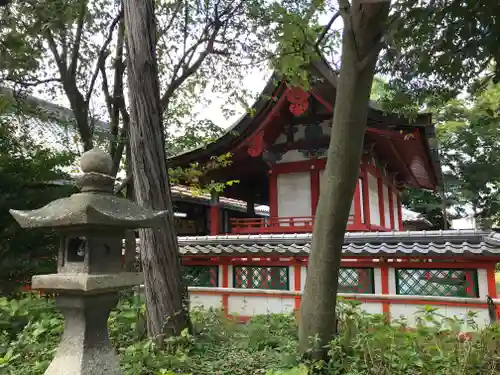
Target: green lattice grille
437, 282
356, 280
254, 277
201, 275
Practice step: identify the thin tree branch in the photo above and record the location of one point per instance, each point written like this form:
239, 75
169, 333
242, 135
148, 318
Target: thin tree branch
103, 54
61, 64
188, 71
78, 38
32, 83
327, 28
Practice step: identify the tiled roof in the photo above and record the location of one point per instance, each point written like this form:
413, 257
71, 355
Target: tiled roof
182, 191
415, 243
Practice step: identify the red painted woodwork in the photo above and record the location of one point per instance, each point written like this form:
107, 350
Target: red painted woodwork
303, 224
366, 195
214, 220
385, 290
299, 100
358, 219
256, 144
299, 166
315, 190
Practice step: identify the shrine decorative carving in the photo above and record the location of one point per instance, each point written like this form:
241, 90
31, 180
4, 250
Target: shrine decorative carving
299, 100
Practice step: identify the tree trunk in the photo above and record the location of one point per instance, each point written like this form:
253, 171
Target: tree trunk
364, 24
130, 263
164, 289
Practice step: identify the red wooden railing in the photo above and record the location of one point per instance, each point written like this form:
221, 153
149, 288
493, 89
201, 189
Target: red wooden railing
273, 225
294, 224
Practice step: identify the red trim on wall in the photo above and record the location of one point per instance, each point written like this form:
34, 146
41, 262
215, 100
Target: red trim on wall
357, 205
492, 285
315, 190
384, 272
214, 219
391, 208
381, 206
225, 284
400, 213
273, 194
299, 166
297, 270
366, 195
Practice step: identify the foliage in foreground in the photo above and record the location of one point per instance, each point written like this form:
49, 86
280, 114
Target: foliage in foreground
30, 329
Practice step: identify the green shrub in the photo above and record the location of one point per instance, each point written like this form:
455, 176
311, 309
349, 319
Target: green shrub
267, 345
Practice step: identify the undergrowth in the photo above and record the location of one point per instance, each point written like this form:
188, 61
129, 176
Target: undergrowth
30, 330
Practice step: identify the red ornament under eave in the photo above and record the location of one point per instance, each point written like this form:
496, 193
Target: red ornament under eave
256, 146
299, 100
298, 108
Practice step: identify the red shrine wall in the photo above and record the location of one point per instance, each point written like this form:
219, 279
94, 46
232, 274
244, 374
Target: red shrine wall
295, 187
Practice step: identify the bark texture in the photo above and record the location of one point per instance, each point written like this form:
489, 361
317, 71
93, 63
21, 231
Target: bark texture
364, 25
164, 289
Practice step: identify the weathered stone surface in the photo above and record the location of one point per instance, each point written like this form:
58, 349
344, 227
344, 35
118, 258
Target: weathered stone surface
93, 223
90, 209
94, 206
86, 283
85, 348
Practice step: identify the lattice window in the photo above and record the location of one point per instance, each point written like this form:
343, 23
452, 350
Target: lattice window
356, 280
201, 276
437, 282
256, 277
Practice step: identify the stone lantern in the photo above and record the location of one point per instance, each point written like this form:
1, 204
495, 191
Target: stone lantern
92, 224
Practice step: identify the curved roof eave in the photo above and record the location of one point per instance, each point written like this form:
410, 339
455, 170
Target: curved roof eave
238, 128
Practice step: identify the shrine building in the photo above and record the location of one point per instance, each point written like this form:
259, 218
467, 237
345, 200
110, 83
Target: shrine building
255, 264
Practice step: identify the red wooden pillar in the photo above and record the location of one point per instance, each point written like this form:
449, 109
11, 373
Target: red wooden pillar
297, 268
366, 196
315, 189
384, 271
357, 204
214, 214
225, 284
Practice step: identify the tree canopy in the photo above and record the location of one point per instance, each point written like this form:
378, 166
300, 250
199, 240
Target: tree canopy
29, 175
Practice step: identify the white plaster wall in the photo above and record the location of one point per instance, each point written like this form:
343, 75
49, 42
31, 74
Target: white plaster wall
291, 156
392, 281
373, 198
411, 312
482, 280
396, 211
387, 213
372, 307
377, 280
294, 194
253, 305
291, 278
303, 275
205, 301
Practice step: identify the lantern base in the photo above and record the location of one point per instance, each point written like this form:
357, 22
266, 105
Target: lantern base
85, 348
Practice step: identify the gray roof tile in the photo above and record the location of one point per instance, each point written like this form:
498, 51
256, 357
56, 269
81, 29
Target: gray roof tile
416, 243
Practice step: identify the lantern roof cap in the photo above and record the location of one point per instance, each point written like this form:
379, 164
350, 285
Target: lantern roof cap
94, 206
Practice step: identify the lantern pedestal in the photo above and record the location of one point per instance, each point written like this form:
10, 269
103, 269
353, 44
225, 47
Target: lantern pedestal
92, 224
85, 348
